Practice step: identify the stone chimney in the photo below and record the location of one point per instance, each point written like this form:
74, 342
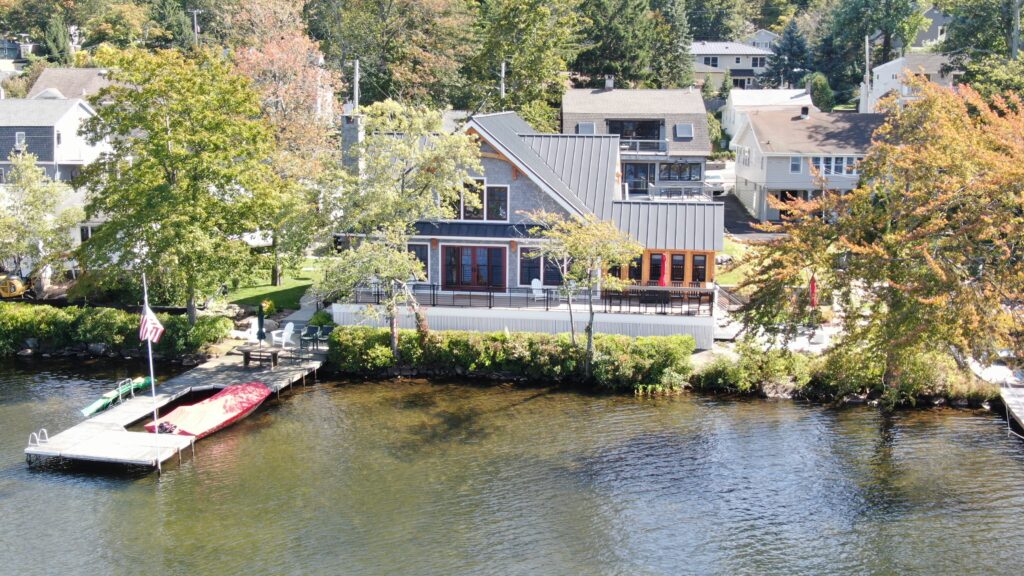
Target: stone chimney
609, 82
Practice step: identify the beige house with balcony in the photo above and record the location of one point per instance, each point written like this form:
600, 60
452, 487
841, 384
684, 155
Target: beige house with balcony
788, 155
663, 137
743, 62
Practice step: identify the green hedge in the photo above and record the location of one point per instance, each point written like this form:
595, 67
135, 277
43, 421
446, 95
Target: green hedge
641, 365
57, 328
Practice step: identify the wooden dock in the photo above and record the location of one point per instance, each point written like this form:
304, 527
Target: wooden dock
105, 438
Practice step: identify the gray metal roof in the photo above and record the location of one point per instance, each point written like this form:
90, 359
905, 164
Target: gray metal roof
473, 230
633, 103
586, 164
704, 48
27, 112
673, 225
504, 129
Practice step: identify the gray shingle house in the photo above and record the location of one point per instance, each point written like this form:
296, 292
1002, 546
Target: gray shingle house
487, 257
48, 128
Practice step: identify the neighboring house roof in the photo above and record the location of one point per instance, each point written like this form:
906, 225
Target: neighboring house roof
769, 97
46, 112
783, 132
452, 120
917, 62
761, 32
672, 225
704, 48
680, 106
71, 82
639, 103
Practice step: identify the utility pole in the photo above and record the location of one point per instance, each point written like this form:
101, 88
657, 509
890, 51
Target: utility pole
502, 86
355, 86
1015, 41
195, 24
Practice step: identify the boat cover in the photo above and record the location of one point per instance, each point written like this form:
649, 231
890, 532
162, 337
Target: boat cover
218, 411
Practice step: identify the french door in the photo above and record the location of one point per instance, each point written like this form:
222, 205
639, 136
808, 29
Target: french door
474, 268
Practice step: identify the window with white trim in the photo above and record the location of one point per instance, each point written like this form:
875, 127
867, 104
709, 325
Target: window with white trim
796, 165
422, 253
711, 61
533, 266
491, 203
757, 62
19, 140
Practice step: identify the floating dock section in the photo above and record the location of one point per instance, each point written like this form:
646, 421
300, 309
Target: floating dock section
105, 438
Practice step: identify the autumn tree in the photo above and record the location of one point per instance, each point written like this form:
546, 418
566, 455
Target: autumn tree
534, 39
408, 49
35, 231
188, 169
925, 256
410, 171
584, 249
297, 97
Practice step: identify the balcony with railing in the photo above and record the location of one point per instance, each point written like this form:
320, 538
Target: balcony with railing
631, 146
674, 192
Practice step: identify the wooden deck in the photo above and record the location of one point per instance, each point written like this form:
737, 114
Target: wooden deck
105, 438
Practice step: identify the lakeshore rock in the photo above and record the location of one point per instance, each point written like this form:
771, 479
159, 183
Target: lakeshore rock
97, 349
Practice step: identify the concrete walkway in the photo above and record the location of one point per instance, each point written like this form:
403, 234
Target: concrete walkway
307, 307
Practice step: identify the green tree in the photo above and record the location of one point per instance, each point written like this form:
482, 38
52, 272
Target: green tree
726, 87
913, 256
34, 230
535, 39
672, 62
707, 89
790, 60
122, 25
585, 249
821, 93
171, 28
58, 41
717, 19
978, 29
995, 76
410, 171
620, 36
187, 171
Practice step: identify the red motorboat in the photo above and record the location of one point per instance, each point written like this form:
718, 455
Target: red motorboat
216, 412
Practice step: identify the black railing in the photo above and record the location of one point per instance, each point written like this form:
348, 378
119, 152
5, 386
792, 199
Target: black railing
682, 301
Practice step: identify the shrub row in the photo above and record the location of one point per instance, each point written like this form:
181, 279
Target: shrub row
841, 375
57, 328
641, 365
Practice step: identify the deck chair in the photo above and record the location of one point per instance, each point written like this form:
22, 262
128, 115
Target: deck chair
310, 335
537, 288
283, 337
325, 334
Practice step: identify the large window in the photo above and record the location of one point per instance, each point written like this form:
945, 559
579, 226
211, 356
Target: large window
422, 253
833, 165
700, 268
636, 270
678, 267
657, 261
491, 203
636, 129
533, 266
757, 62
639, 177
711, 61
796, 165
474, 267
679, 172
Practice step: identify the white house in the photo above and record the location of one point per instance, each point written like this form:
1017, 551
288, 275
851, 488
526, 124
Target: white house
742, 102
890, 78
787, 155
762, 39
711, 60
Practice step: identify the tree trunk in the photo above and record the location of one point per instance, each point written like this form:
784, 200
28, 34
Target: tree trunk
588, 364
191, 308
276, 278
393, 323
572, 323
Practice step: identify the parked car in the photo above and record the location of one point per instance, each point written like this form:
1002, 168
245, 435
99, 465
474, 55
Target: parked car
715, 185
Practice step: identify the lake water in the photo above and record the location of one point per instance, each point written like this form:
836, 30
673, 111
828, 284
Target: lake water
445, 479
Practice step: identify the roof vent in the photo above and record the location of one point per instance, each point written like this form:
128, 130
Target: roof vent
805, 111
609, 81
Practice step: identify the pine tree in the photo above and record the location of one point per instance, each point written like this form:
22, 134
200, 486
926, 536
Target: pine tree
717, 19
58, 41
726, 87
177, 30
621, 36
673, 64
790, 61
707, 89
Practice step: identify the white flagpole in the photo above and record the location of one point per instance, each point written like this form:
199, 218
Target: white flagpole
152, 376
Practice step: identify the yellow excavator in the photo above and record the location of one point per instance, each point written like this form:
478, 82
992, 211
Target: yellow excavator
13, 286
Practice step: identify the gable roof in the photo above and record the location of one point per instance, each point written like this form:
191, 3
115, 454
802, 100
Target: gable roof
45, 112
642, 103
770, 97
704, 48
585, 164
783, 132
71, 82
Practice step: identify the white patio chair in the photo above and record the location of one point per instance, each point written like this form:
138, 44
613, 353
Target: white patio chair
252, 335
283, 337
537, 288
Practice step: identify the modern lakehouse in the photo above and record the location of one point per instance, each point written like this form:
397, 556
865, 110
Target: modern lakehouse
784, 154
483, 269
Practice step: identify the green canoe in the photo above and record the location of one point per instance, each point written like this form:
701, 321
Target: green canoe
125, 389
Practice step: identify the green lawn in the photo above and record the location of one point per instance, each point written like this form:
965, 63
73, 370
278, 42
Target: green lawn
284, 297
737, 269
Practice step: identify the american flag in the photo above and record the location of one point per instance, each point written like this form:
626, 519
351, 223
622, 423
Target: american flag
151, 329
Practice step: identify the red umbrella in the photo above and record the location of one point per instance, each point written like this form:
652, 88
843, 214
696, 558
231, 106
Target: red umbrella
814, 291
663, 281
